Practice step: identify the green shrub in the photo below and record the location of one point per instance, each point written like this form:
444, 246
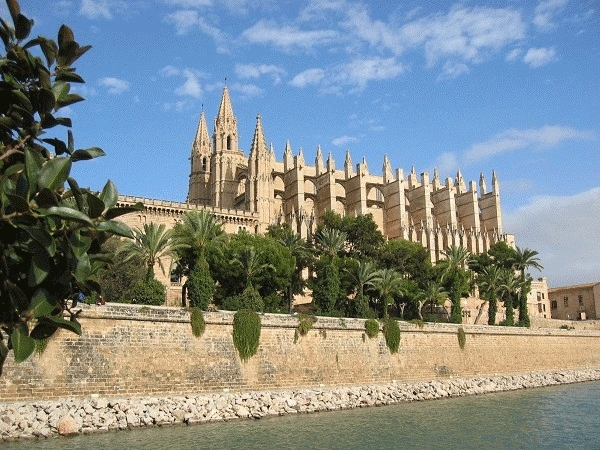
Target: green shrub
246, 333
306, 323
418, 322
391, 331
149, 292
251, 299
232, 303
462, 337
197, 321
201, 286
371, 328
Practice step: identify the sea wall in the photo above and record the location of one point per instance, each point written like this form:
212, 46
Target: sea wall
132, 350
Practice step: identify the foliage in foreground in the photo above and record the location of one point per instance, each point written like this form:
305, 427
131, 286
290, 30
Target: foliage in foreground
51, 230
246, 333
197, 322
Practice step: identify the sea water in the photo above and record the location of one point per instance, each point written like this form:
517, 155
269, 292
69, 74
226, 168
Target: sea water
560, 417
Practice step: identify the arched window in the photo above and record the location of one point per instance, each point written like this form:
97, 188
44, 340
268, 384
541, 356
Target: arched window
228, 142
204, 164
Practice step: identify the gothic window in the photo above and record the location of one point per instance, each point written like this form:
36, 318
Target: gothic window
228, 142
204, 164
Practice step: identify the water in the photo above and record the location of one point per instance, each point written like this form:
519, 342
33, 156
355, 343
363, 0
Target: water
547, 418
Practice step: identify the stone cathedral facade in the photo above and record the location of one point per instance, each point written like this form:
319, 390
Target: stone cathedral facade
259, 191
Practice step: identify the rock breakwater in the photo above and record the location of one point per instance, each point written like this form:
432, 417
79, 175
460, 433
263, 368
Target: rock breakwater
87, 415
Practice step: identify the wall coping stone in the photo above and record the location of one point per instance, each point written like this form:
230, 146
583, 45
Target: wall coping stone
145, 313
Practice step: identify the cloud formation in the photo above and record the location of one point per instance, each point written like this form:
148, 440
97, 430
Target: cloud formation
564, 230
538, 57
544, 13
287, 37
101, 9
516, 139
114, 86
258, 70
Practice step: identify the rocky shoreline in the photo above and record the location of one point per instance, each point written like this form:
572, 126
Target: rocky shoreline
42, 419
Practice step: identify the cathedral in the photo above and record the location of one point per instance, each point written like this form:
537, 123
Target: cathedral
251, 192
259, 190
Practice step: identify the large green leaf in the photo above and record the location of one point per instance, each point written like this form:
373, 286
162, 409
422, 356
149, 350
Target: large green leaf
80, 244
67, 214
76, 192
109, 194
68, 99
61, 322
17, 297
43, 238
54, 173
83, 268
88, 153
95, 205
44, 329
119, 211
115, 227
33, 164
22, 27
18, 203
22, 344
41, 304
40, 266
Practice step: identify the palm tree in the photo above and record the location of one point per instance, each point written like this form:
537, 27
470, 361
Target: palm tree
191, 237
362, 274
150, 244
509, 287
489, 280
387, 282
453, 271
522, 260
331, 241
196, 231
250, 262
434, 294
326, 285
303, 257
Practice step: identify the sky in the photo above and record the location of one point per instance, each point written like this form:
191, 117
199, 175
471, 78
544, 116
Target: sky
511, 86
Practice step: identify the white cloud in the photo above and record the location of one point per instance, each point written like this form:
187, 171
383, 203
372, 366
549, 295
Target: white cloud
308, 77
343, 140
287, 37
544, 13
464, 35
101, 9
538, 57
114, 85
447, 162
257, 70
189, 3
514, 54
515, 139
377, 33
183, 20
356, 74
361, 71
247, 90
191, 87
564, 230
453, 70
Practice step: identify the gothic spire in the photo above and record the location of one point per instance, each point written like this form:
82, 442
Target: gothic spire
259, 144
202, 141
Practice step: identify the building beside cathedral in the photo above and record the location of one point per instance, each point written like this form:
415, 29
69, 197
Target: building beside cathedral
252, 191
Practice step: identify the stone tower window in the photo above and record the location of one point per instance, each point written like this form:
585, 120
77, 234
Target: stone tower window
228, 142
204, 163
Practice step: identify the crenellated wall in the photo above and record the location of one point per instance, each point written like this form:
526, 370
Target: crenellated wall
135, 350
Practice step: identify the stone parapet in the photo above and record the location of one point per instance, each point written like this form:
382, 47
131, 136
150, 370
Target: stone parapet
131, 350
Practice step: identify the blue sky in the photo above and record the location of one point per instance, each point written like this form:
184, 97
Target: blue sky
507, 85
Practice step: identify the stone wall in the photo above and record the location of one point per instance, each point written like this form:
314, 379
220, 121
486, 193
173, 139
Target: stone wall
129, 350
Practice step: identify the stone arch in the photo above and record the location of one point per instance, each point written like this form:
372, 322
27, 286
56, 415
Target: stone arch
310, 187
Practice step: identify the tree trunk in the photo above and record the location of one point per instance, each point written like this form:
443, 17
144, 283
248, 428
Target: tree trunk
480, 313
